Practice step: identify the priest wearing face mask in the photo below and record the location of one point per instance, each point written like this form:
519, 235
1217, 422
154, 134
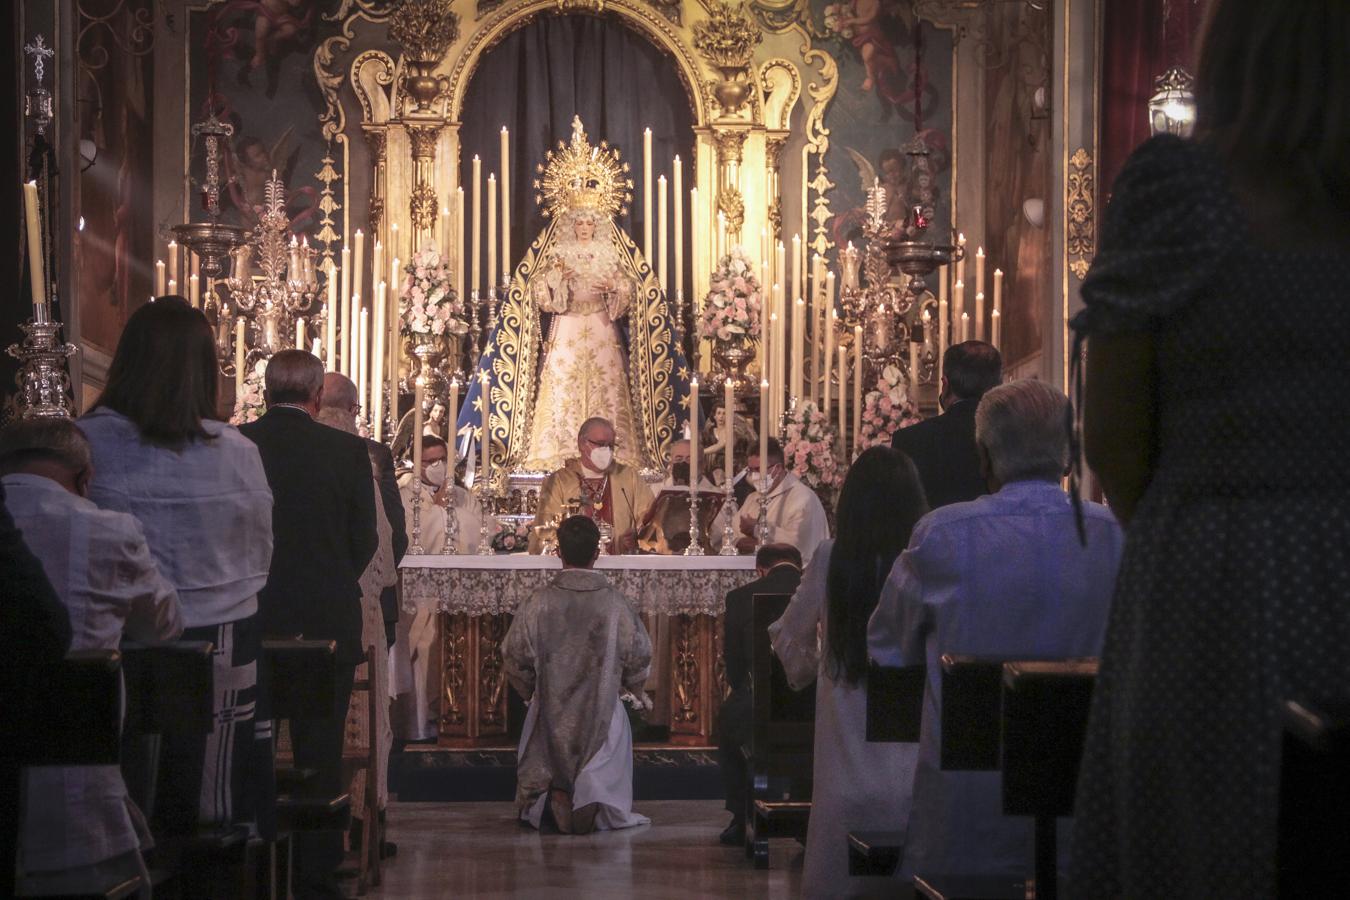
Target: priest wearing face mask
416, 680
609, 492
795, 515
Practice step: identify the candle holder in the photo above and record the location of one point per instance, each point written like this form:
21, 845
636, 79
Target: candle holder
451, 520
728, 524
415, 548
44, 385
484, 540
695, 547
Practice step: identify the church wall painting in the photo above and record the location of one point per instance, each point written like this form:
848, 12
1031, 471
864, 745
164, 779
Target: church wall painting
251, 63
891, 66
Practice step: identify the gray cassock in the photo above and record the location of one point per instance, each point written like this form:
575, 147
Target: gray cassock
573, 647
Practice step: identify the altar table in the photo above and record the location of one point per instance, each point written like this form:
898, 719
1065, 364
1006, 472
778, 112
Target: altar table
476, 596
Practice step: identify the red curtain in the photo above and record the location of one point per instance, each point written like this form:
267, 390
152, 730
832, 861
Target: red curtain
1142, 38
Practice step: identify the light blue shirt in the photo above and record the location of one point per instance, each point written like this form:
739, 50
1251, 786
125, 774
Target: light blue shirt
206, 510
1003, 576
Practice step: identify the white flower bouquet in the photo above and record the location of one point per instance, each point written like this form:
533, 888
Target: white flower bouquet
886, 409
249, 405
427, 303
732, 307
808, 448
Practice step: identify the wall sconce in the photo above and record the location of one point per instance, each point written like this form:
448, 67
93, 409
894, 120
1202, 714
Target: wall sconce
1171, 110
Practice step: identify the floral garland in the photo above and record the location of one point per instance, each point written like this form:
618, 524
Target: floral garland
809, 447
886, 409
732, 307
834, 14
427, 303
249, 405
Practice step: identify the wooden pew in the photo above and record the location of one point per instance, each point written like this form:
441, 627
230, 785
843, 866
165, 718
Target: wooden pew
67, 714
1027, 719
1313, 849
781, 742
894, 715
302, 683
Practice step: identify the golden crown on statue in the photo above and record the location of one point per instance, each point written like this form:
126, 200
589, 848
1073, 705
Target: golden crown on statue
579, 176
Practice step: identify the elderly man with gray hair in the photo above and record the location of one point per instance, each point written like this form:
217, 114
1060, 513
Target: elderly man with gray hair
1000, 577
78, 822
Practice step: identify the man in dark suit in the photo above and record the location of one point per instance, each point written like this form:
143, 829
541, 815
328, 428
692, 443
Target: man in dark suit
323, 532
340, 393
943, 447
779, 567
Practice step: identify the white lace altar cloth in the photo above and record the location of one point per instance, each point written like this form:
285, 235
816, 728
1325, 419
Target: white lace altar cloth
487, 585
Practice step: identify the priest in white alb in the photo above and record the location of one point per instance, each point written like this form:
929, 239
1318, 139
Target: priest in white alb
795, 515
574, 648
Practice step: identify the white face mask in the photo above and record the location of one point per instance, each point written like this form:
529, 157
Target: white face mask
601, 457
434, 473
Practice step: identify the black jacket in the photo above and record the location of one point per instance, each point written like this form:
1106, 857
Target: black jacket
393, 509
323, 528
943, 450
737, 636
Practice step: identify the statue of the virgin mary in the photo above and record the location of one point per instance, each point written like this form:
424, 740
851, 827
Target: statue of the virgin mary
583, 331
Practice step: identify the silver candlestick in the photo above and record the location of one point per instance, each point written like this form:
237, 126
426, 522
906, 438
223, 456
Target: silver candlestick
451, 523
762, 522
484, 540
728, 524
695, 547
416, 548
44, 384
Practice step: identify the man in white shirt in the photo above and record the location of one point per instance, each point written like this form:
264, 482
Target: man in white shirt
795, 515
79, 821
416, 682
1004, 576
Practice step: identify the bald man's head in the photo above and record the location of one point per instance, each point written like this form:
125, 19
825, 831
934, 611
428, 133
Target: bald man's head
339, 392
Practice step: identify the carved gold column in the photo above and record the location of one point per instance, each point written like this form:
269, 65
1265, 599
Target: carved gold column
730, 202
773, 151
423, 203
377, 140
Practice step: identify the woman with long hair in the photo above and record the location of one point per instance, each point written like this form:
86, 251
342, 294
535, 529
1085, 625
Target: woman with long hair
856, 784
1229, 475
197, 486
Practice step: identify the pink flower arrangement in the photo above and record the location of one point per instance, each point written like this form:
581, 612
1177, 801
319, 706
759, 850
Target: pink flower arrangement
808, 447
732, 307
427, 303
249, 405
886, 409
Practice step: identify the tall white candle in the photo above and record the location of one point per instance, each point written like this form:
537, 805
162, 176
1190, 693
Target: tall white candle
960, 272
194, 290
173, 262
419, 388
647, 195
363, 359
798, 348
763, 435
159, 278
693, 436
996, 317
485, 440
299, 332
346, 303
958, 302
377, 360
506, 201
476, 282
351, 345
316, 348
729, 404
979, 275
796, 263
965, 326
173, 286
395, 342
662, 269
240, 355
818, 323
775, 379
914, 372
979, 315
831, 323
677, 188
942, 337
377, 263
457, 259
359, 265
453, 427
857, 384
330, 317
492, 229
779, 266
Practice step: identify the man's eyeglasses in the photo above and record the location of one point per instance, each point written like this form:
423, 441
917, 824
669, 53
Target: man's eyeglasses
610, 444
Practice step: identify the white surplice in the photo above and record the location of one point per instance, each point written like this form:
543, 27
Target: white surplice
795, 515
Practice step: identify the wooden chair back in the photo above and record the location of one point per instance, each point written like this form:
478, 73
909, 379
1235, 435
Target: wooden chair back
784, 721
